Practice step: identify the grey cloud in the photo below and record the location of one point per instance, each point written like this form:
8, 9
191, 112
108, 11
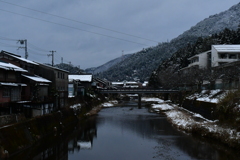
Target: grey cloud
155, 19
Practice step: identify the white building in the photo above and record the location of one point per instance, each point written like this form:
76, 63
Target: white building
127, 84
200, 60
78, 84
222, 54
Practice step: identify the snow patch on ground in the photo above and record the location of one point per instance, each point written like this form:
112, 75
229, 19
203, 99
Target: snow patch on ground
180, 119
212, 96
163, 107
109, 104
152, 99
75, 106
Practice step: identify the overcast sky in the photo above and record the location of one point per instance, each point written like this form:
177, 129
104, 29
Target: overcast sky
89, 33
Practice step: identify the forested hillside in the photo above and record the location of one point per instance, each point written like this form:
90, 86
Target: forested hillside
106, 66
167, 74
68, 67
140, 65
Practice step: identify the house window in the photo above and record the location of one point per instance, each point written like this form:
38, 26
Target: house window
15, 95
6, 92
11, 75
223, 56
58, 75
195, 60
232, 56
1, 75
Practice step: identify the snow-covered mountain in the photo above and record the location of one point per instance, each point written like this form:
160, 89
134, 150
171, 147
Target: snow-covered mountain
140, 65
213, 24
106, 66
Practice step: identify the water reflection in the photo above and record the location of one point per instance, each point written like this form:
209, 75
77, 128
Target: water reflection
134, 130
53, 147
83, 136
125, 133
59, 146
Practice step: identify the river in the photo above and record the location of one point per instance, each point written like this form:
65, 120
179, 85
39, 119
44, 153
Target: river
127, 133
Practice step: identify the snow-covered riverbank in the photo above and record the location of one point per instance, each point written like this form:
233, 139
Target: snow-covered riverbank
96, 109
195, 123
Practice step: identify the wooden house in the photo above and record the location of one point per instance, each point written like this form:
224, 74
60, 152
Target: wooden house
34, 96
58, 89
10, 86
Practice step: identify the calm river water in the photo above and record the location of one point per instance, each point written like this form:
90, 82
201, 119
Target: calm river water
128, 133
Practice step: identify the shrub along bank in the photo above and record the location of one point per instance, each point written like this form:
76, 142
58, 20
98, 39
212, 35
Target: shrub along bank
228, 109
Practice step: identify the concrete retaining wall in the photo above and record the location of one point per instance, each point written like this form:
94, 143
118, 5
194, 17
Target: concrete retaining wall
206, 109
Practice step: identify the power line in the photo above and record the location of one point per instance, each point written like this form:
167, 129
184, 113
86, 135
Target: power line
80, 22
36, 53
7, 39
74, 27
30, 45
36, 48
8, 45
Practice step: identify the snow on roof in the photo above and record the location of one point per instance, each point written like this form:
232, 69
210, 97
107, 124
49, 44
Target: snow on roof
84, 144
9, 66
227, 48
37, 79
22, 59
145, 83
131, 82
124, 82
83, 78
117, 83
12, 84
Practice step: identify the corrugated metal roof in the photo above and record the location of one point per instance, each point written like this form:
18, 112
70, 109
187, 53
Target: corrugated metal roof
227, 48
37, 79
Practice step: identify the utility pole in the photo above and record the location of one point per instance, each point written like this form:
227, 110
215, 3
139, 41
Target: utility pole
24, 42
122, 55
52, 56
62, 60
69, 65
